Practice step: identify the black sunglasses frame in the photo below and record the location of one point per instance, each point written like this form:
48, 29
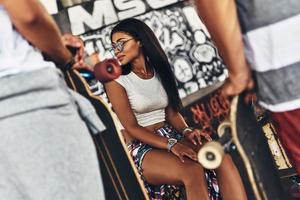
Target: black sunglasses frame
119, 45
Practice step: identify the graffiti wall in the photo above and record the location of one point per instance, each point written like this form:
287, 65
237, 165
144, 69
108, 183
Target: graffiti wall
207, 113
195, 60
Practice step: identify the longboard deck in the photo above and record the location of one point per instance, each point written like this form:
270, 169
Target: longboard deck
252, 154
120, 177
253, 148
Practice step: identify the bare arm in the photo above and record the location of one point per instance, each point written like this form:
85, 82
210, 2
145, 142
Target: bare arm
119, 100
220, 18
36, 25
175, 119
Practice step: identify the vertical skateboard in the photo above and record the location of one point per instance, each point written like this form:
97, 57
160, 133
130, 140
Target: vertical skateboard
241, 135
120, 177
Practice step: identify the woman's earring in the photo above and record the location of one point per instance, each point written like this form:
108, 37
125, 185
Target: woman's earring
148, 59
140, 44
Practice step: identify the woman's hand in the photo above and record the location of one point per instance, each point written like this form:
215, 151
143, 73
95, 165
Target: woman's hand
182, 150
196, 135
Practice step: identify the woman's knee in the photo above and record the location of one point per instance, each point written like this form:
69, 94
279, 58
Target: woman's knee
227, 159
227, 164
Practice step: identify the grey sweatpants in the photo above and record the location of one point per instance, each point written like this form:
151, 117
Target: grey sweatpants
46, 151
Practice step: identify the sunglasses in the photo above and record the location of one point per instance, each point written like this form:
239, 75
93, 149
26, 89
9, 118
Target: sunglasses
119, 45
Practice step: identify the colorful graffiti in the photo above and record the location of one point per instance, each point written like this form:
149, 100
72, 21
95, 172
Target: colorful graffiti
208, 112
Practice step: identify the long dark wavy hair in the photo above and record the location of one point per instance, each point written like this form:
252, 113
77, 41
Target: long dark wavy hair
154, 55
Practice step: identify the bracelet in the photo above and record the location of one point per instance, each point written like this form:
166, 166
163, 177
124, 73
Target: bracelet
186, 129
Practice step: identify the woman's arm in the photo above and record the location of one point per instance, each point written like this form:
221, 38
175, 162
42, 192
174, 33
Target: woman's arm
175, 119
37, 26
119, 100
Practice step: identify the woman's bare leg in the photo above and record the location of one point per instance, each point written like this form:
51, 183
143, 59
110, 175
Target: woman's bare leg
161, 167
230, 182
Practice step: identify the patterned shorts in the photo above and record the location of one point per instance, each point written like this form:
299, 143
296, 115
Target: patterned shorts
138, 151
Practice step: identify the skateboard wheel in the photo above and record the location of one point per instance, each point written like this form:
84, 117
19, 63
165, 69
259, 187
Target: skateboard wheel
222, 127
107, 70
211, 155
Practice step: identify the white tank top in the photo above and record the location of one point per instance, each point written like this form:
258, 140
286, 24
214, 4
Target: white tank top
147, 98
16, 54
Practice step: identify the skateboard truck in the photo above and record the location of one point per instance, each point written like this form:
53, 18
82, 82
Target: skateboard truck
212, 153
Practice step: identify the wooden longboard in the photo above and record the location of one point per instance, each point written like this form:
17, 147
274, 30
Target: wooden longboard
251, 155
120, 176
